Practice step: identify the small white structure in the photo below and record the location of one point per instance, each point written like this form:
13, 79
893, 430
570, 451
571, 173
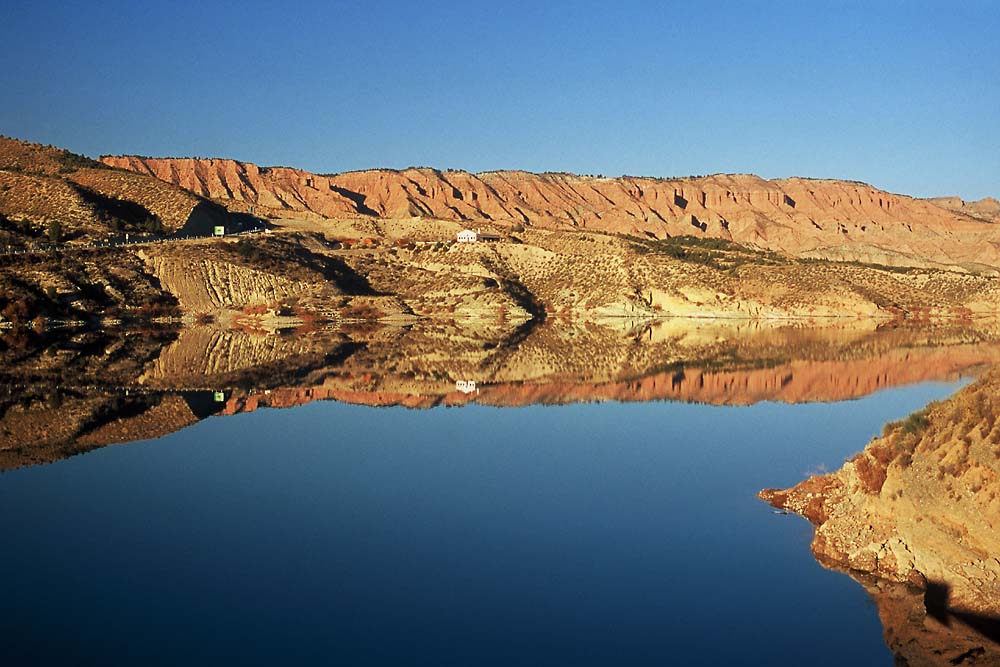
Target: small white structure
469, 236
465, 386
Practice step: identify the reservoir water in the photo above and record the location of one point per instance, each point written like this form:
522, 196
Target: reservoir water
591, 533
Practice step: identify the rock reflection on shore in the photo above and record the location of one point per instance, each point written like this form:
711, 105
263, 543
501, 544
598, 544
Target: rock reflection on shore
923, 629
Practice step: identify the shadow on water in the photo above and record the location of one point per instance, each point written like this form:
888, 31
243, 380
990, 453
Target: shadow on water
204, 404
937, 603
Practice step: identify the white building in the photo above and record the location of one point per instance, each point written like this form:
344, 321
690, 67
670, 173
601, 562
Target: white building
465, 386
469, 236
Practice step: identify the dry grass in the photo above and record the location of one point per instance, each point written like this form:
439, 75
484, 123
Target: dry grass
40, 184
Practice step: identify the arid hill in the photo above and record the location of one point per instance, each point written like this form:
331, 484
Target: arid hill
536, 274
88, 285
542, 273
41, 185
701, 247
842, 220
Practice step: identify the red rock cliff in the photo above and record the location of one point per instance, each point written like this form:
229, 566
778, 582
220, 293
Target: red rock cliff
821, 218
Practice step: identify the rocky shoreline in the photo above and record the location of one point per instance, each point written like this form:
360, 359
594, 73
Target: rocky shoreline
920, 508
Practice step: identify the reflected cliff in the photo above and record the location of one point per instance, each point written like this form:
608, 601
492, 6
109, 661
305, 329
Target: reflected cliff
914, 515
923, 628
66, 392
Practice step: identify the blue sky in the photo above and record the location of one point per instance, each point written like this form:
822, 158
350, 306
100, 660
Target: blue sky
904, 95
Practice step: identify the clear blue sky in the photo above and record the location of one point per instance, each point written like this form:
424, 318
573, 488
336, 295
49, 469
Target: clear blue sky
904, 95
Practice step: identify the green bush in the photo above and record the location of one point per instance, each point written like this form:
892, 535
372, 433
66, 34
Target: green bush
55, 231
247, 250
915, 423
912, 425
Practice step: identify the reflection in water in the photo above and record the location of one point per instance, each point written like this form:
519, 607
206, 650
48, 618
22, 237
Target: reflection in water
64, 394
937, 603
612, 533
69, 392
923, 630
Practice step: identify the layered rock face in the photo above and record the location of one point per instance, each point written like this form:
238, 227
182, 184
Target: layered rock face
841, 220
921, 505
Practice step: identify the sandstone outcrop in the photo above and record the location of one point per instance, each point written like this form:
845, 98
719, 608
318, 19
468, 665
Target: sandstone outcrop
921, 506
554, 258
841, 220
208, 284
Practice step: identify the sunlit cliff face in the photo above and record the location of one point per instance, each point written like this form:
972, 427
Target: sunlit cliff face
808, 217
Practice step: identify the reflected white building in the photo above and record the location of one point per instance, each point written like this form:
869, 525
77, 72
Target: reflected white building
466, 386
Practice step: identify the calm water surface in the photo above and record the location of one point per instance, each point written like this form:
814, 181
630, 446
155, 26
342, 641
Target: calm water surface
336, 534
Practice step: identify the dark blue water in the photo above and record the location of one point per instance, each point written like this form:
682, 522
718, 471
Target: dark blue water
598, 534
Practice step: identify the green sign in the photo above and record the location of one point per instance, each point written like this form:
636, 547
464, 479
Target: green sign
219, 230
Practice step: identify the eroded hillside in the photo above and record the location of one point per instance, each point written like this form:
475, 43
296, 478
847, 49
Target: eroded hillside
88, 285
569, 247
49, 195
841, 220
534, 275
